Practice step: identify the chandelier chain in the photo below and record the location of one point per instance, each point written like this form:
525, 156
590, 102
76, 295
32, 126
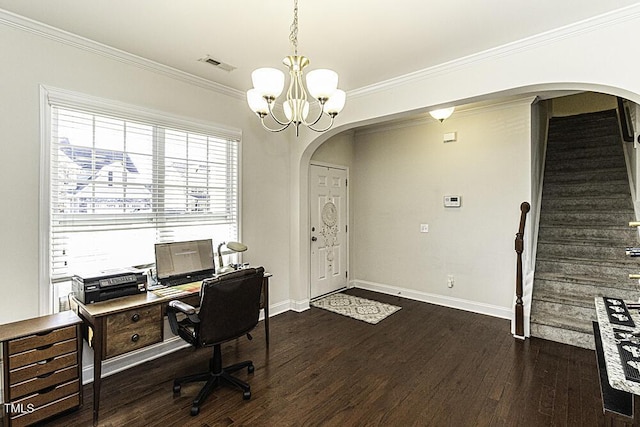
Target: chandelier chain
293, 36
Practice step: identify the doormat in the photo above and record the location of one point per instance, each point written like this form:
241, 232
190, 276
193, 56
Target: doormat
358, 308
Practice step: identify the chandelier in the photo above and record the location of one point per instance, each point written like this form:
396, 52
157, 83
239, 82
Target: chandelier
322, 85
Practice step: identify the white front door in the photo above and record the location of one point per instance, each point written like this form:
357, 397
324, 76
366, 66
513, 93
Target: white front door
328, 210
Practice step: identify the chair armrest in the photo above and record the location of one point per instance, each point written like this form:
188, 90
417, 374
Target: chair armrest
182, 307
175, 307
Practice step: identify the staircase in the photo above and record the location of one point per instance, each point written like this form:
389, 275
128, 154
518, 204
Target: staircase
586, 207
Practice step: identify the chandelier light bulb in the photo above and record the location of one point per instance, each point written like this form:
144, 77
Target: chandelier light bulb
268, 82
256, 102
335, 104
322, 83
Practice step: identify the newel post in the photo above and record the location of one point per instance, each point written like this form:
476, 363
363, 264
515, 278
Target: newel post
519, 244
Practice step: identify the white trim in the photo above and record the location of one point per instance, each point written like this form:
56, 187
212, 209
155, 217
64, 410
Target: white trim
299, 306
134, 358
458, 303
607, 19
46, 31
46, 303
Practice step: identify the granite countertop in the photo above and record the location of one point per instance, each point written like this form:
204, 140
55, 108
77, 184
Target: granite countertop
615, 371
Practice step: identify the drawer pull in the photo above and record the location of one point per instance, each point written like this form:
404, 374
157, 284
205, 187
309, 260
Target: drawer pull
45, 361
135, 337
44, 347
47, 390
135, 317
48, 374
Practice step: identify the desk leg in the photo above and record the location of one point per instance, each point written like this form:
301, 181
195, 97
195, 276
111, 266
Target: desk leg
97, 368
265, 286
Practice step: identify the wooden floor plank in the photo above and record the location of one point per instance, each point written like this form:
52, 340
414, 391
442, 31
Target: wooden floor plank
423, 365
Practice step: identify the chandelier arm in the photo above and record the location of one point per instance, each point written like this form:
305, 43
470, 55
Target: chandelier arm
273, 116
322, 130
317, 118
264, 125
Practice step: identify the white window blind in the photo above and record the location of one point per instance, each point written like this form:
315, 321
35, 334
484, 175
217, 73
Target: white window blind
120, 183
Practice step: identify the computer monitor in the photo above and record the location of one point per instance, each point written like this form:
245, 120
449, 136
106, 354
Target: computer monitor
184, 259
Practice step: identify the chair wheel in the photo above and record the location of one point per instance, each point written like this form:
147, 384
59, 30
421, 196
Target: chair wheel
195, 411
176, 389
250, 369
246, 395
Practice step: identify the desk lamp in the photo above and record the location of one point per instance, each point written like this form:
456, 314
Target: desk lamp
233, 246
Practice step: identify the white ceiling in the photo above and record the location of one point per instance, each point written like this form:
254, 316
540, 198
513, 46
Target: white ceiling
365, 41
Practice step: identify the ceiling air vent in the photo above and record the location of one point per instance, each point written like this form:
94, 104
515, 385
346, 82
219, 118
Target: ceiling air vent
218, 64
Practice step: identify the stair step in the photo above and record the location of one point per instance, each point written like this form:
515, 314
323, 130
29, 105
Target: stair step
619, 235
565, 163
581, 189
587, 176
616, 202
570, 153
586, 218
592, 250
563, 141
559, 334
580, 292
568, 318
616, 272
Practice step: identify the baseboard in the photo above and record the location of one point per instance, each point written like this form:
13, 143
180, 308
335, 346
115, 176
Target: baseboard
458, 303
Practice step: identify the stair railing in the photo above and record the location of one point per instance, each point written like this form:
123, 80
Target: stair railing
519, 244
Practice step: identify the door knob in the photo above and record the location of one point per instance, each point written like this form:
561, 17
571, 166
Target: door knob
314, 238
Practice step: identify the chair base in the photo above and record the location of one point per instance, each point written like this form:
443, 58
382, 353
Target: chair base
214, 378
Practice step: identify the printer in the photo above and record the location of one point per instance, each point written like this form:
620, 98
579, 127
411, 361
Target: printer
90, 287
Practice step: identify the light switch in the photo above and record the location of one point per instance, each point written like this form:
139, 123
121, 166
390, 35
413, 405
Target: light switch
424, 228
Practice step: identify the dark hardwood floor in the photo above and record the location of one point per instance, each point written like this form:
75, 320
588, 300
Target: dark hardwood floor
424, 365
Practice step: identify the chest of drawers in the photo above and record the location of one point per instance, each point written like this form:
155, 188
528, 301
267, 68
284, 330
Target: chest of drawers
42, 367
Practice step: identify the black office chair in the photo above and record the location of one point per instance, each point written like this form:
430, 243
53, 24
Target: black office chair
229, 309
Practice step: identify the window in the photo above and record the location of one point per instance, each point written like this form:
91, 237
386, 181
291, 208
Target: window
121, 180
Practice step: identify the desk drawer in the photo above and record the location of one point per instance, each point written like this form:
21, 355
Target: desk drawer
43, 367
42, 353
37, 384
41, 340
31, 415
132, 329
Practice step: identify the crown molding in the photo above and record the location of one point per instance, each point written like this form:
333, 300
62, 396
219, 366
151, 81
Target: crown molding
607, 19
46, 31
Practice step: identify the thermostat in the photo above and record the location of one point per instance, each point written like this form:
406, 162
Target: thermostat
452, 201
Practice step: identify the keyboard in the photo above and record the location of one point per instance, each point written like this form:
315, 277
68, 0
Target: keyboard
185, 280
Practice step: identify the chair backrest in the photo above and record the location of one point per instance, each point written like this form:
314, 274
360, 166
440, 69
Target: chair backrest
230, 305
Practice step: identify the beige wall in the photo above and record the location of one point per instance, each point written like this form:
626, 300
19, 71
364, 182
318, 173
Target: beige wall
29, 61
399, 179
587, 102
